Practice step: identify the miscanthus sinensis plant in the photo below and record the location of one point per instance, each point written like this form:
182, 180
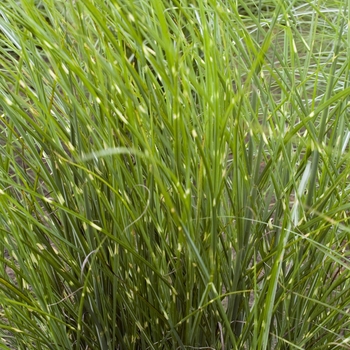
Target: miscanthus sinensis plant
174, 174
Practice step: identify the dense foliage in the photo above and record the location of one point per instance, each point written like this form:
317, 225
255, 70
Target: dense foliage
174, 174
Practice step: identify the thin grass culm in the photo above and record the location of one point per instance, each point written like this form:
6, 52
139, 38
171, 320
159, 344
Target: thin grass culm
174, 174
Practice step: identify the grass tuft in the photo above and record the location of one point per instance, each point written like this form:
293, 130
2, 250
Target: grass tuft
174, 174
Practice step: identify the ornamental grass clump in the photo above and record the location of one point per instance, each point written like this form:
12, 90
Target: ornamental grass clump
174, 174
